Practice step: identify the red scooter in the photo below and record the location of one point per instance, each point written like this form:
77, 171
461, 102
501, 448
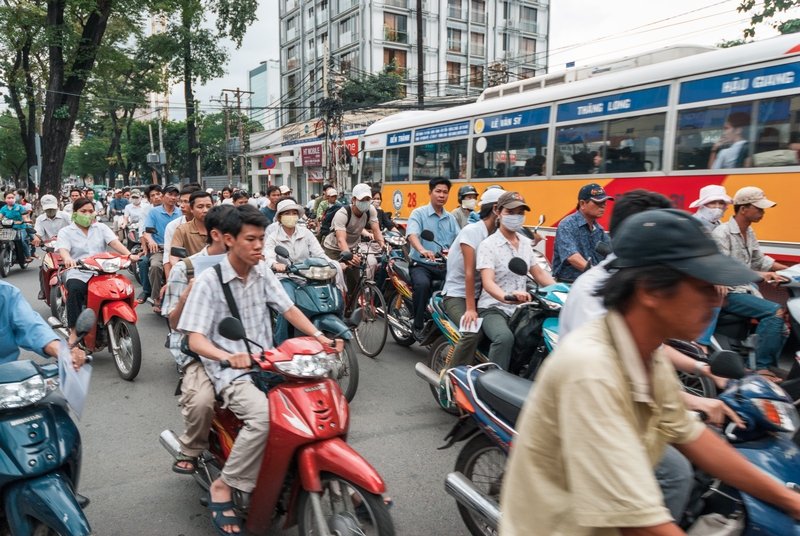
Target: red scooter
110, 296
309, 476
48, 272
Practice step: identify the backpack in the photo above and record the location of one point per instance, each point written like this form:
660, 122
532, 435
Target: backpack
526, 325
327, 219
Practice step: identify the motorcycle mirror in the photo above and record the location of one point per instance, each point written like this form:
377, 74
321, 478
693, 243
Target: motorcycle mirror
178, 252
589, 264
541, 220
727, 364
427, 235
85, 323
282, 252
151, 230
518, 266
355, 317
231, 328
345, 256
527, 232
603, 249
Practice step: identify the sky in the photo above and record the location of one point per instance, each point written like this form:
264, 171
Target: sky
583, 31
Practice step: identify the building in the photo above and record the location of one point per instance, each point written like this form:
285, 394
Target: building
265, 83
466, 44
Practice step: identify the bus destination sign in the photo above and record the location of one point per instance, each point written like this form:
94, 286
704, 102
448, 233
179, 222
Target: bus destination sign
741, 83
526, 118
399, 138
442, 131
620, 103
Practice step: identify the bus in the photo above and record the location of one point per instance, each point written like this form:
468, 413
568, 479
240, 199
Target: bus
651, 126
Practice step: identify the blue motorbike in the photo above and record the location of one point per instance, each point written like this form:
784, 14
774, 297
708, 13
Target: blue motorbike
40, 451
318, 297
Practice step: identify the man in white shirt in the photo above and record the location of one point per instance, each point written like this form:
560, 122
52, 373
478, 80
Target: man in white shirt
46, 227
134, 212
74, 195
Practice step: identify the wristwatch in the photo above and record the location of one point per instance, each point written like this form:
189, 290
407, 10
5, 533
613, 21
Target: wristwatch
317, 334
698, 368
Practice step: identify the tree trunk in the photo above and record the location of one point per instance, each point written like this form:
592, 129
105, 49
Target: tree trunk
188, 95
27, 122
64, 92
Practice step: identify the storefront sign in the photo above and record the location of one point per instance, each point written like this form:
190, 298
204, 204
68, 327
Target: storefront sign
312, 155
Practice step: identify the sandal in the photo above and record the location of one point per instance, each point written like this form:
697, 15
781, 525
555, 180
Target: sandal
183, 470
142, 297
220, 520
769, 375
157, 308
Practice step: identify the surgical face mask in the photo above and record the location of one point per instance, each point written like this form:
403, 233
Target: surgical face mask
16, 198
376, 203
363, 206
710, 214
512, 222
214, 197
289, 221
136, 200
51, 213
84, 220
469, 204
10, 202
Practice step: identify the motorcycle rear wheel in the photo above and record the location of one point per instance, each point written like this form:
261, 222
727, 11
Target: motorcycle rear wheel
398, 309
698, 385
483, 463
6, 259
56, 301
128, 356
375, 521
40, 529
347, 374
440, 351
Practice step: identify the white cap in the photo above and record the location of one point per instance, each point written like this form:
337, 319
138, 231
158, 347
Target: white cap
49, 202
288, 204
712, 192
491, 195
285, 189
209, 190
331, 191
360, 191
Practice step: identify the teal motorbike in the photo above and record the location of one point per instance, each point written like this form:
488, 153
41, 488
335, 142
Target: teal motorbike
321, 301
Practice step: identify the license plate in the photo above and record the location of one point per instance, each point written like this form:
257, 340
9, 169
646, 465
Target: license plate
8, 234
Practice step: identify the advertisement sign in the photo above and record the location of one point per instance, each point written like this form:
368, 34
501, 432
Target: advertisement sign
312, 155
352, 146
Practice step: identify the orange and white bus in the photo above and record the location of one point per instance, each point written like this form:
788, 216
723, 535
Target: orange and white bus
649, 127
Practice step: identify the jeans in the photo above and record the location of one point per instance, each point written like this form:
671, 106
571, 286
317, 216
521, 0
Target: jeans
705, 337
675, 476
281, 324
770, 327
422, 278
144, 269
495, 326
22, 248
464, 353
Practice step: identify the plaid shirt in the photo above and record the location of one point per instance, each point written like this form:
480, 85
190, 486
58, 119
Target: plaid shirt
207, 306
730, 242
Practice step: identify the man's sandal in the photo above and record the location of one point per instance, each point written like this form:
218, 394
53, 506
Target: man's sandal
185, 459
220, 520
142, 297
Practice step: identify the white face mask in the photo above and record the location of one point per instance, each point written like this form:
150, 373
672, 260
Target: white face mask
469, 204
376, 203
136, 200
363, 206
512, 222
289, 221
710, 214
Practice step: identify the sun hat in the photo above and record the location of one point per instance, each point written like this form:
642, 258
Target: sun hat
49, 202
288, 204
712, 192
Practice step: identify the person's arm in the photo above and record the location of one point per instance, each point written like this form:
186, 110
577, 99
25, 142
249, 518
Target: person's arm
177, 241
377, 236
175, 314
577, 261
120, 248
541, 277
471, 314
199, 344
296, 318
494, 290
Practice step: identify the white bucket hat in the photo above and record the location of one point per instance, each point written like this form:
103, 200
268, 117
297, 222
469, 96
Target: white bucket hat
712, 192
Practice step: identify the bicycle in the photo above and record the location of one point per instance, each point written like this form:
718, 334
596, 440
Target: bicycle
371, 331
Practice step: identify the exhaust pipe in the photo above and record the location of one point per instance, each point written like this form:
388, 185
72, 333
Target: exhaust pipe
169, 441
465, 492
396, 324
54, 322
427, 374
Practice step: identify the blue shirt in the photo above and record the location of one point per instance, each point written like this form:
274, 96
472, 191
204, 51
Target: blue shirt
117, 206
573, 236
445, 228
15, 213
159, 219
23, 327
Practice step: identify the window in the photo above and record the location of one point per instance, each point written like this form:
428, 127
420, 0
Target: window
311, 47
349, 61
348, 30
311, 13
395, 28
291, 83
322, 7
528, 50
397, 164
454, 40
291, 57
506, 43
476, 76
447, 159
614, 146
478, 11
372, 169
312, 109
522, 154
476, 41
454, 9
454, 73
291, 23
507, 11
396, 57
525, 72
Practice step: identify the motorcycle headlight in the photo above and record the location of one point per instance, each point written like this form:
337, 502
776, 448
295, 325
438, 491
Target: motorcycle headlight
307, 365
27, 392
396, 241
110, 265
318, 273
780, 414
7, 222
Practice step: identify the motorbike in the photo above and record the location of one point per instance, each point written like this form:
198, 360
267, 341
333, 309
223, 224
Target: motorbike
40, 449
110, 296
49, 269
11, 246
322, 302
309, 476
135, 247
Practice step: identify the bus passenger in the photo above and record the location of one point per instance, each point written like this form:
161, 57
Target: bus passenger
734, 135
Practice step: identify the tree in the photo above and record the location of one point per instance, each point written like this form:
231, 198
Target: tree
769, 9
13, 160
87, 159
137, 145
374, 89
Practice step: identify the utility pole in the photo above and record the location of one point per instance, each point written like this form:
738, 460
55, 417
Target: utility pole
228, 141
199, 149
420, 59
237, 93
152, 150
326, 147
162, 155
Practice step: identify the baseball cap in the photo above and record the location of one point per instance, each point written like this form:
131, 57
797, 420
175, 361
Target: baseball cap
491, 195
136, 193
171, 188
750, 195
288, 204
285, 189
674, 238
209, 190
512, 200
49, 202
331, 191
360, 191
593, 192
712, 192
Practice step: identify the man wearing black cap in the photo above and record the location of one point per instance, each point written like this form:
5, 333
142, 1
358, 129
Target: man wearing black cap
607, 401
578, 234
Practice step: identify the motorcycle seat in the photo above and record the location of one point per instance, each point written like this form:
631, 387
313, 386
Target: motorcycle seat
503, 392
401, 267
437, 285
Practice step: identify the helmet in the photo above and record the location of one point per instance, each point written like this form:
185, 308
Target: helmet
466, 190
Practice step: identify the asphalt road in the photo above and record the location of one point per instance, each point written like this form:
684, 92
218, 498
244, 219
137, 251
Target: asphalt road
395, 425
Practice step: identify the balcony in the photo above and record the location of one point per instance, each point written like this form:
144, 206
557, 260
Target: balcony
529, 26
395, 36
478, 17
396, 3
322, 17
455, 46
292, 63
291, 5
456, 13
344, 5
291, 34
476, 49
346, 38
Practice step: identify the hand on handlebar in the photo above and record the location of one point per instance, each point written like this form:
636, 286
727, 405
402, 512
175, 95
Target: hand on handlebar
714, 411
36, 241
70, 263
429, 255
337, 344
133, 257
279, 267
772, 277
517, 296
241, 360
355, 261
78, 357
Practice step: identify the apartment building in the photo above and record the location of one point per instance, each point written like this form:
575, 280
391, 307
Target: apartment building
462, 40
265, 84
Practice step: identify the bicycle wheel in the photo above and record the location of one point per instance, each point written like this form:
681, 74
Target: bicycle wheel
371, 331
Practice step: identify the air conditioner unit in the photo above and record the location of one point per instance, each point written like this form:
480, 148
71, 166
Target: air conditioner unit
152, 158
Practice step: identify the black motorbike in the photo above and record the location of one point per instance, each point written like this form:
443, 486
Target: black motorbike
11, 252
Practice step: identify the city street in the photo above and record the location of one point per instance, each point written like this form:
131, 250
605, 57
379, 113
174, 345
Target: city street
395, 425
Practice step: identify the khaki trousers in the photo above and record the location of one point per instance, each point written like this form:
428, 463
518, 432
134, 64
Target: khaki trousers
156, 274
467, 345
197, 407
250, 404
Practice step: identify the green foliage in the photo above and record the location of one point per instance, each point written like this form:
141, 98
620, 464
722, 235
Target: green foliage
138, 145
761, 12
87, 159
732, 43
13, 161
374, 89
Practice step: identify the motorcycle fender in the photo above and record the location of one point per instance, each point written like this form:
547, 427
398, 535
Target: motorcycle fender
54, 280
51, 500
117, 308
337, 457
331, 324
464, 429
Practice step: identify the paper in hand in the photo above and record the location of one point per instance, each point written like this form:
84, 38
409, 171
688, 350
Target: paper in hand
473, 328
74, 384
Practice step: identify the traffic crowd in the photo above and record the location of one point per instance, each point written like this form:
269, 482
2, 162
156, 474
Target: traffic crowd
605, 437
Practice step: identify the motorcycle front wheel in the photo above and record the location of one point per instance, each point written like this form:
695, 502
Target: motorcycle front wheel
483, 463
346, 507
346, 372
399, 311
6, 259
57, 304
128, 354
371, 331
40, 529
438, 356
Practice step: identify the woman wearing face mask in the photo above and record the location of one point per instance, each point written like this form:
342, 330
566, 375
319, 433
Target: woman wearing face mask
498, 281
16, 212
711, 205
83, 238
384, 220
301, 245
468, 200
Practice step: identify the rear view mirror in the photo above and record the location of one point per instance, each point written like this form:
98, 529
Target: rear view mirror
282, 252
427, 235
178, 252
518, 266
603, 249
541, 220
85, 323
345, 256
231, 328
727, 364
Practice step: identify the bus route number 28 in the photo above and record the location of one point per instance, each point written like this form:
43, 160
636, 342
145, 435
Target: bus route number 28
412, 200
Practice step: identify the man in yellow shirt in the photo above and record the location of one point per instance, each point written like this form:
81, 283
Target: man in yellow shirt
607, 402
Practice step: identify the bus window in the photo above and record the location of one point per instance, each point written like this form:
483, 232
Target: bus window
372, 170
777, 135
397, 164
714, 137
521, 154
443, 159
492, 161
